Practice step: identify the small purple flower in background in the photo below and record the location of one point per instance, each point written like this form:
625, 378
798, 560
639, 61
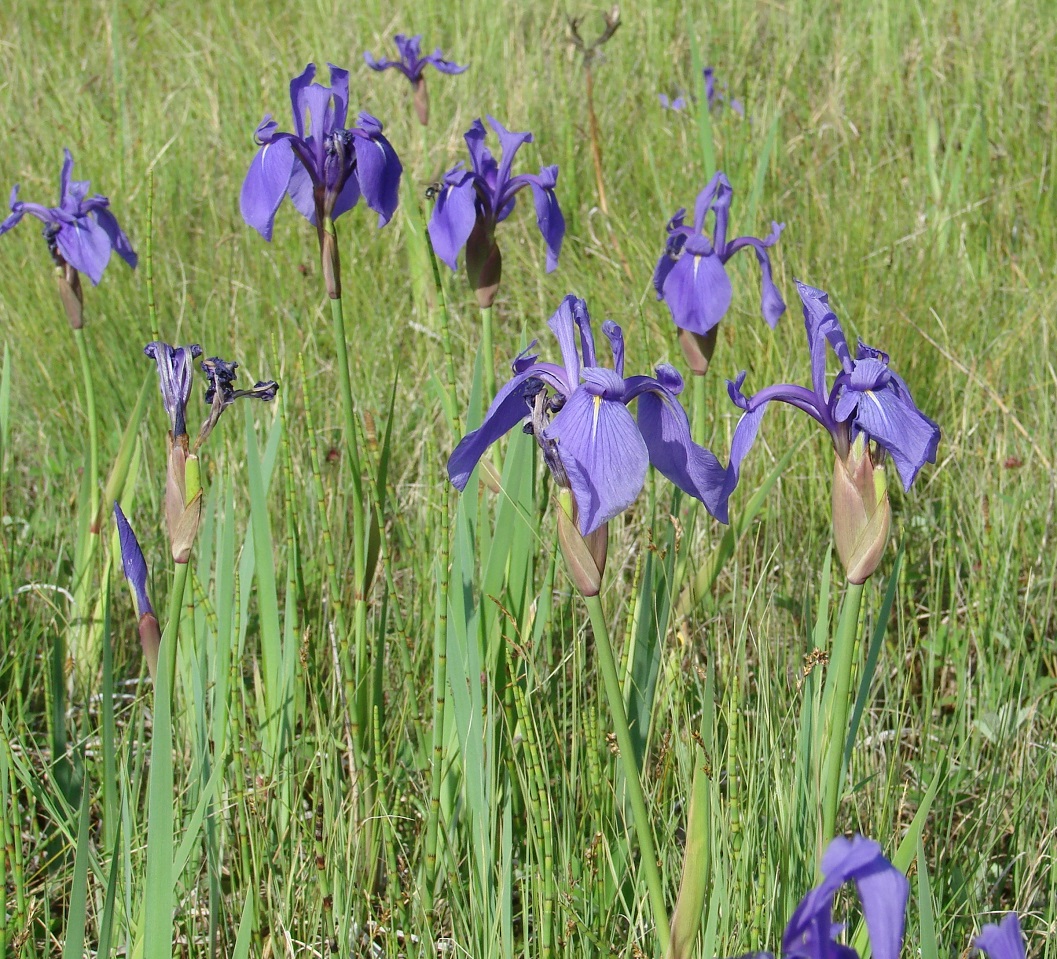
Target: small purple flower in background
411, 64
578, 414
81, 229
869, 414
676, 105
135, 567
324, 168
692, 279
1002, 941
716, 97
472, 202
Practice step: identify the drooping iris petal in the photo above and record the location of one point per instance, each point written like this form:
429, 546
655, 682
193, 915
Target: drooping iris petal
453, 220
772, 306
883, 892
602, 450
118, 240
507, 410
666, 430
266, 185
85, 245
1002, 941
378, 170
697, 291
548, 214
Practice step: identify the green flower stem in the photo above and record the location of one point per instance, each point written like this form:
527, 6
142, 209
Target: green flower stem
487, 354
835, 704
172, 624
440, 689
359, 528
93, 430
699, 416
644, 831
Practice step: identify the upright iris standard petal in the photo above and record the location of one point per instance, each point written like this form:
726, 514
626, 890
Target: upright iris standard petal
81, 231
323, 167
691, 276
132, 561
1002, 941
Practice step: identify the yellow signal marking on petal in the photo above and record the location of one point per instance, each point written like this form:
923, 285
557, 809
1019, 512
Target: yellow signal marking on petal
594, 416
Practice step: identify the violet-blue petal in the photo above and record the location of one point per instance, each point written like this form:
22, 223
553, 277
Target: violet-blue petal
266, 184
603, 452
1002, 941
379, 65
697, 291
772, 306
453, 219
378, 169
436, 60
298, 103
118, 240
132, 561
84, 244
548, 214
507, 410
666, 430
564, 323
510, 142
909, 436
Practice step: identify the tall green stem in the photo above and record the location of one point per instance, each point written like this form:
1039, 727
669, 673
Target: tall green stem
643, 829
487, 354
836, 703
93, 431
359, 529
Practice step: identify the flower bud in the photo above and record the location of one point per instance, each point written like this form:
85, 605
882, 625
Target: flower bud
183, 499
862, 515
69, 282
150, 640
484, 264
421, 101
585, 556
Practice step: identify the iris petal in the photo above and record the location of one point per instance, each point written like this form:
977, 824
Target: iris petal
604, 456
266, 184
453, 220
698, 292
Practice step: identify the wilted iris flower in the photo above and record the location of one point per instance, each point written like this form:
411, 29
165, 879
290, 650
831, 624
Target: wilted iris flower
323, 167
412, 64
183, 492
471, 202
135, 567
691, 275
869, 414
81, 233
1002, 941
578, 412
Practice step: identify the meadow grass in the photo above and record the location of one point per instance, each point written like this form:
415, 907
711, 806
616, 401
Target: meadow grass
909, 148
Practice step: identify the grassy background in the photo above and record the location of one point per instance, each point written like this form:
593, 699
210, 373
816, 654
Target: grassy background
912, 160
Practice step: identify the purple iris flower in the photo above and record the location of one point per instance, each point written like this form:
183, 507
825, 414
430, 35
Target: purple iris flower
867, 399
579, 416
323, 167
883, 892
81, 230
1004, 941
471, 202
691, 276
676, 104
175, 376
132, 560
715, 97
411, 62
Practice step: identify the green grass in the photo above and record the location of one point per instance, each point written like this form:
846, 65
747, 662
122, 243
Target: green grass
910, 151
